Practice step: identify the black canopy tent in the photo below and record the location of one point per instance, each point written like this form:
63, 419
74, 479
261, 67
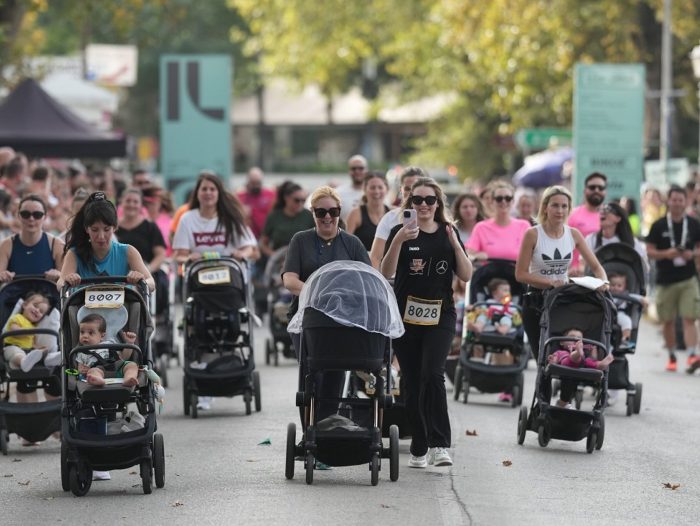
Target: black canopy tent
34, 123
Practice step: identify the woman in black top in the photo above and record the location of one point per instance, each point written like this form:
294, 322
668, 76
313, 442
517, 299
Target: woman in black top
363, 220
137, 231
424, 257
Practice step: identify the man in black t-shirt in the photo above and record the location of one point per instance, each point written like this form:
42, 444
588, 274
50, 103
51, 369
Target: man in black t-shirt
674, 242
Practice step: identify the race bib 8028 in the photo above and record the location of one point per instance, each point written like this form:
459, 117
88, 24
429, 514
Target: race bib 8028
107, 298
420, 311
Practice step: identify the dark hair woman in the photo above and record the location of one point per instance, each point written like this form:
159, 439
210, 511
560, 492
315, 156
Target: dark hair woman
215, 222
425, 255
467, 211
615, 228
91, 249
287, 217
363, 220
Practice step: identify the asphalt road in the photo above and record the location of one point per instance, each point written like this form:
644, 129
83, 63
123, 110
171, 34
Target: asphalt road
217, 473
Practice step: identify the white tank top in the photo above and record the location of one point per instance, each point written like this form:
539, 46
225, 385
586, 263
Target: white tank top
551, 257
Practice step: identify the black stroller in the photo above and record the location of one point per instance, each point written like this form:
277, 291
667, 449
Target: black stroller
99, 432
278, 301
218, 331
592, 312
32, 421
347, 313
164, 341
473, 371
623, 259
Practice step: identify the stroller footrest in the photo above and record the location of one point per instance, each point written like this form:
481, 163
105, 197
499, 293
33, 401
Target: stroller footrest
583, 374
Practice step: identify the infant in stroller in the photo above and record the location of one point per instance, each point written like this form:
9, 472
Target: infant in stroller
497, 313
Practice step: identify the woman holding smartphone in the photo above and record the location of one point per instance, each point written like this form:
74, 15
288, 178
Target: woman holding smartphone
424, 253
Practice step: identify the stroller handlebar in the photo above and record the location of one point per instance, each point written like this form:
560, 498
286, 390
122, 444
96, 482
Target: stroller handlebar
103, 280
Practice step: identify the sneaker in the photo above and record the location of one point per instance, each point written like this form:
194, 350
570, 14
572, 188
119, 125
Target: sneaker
671, 365
204, 403
693, 367
52, 359
505, 397
439, 457
31, 359
692, 359
420, 461
101, 475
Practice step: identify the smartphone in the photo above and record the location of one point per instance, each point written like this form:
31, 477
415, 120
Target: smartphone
409, 218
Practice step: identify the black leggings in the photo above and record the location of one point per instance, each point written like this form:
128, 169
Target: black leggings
422, 352
532, 312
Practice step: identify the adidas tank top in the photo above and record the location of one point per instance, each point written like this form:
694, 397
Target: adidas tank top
551, 257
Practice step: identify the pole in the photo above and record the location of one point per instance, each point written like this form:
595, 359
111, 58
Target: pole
666, 83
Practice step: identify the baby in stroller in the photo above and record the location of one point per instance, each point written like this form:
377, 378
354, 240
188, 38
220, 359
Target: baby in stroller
93, 329
497, 313
618, 286
20, 351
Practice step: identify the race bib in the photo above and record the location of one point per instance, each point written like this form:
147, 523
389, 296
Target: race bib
111, 298
422, 312
214, 276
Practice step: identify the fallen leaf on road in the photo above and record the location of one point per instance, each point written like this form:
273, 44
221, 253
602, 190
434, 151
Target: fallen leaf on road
266, 442
507, 463
24, 483
177, 504
251, 460
668, 485
385, 506
472, 433
8, 475
16, 460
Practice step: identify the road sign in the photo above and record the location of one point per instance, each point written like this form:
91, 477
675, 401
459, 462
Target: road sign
609, 126
541, 138
195, 95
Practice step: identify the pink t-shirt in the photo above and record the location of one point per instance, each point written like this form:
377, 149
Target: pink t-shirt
499, 242
585, 222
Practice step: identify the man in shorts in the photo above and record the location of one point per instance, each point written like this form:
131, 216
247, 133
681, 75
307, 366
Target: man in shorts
674, 242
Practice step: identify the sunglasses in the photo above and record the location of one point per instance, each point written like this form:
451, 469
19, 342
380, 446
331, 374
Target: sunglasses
320, 213
429, 200
26, 214
596, 187
357, 168
501, 198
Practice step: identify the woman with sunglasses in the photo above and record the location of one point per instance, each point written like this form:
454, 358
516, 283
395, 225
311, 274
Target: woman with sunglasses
500, 236
32, 251
288, 216
425, 256
363, 220
615, 228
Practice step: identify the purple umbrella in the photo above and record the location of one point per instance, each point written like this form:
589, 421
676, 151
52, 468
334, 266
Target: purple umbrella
543, 169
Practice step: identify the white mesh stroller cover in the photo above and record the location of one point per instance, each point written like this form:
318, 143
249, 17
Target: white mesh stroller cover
353, 294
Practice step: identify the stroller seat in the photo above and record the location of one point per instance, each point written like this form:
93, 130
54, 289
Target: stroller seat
38, 372
594, 376
109, 393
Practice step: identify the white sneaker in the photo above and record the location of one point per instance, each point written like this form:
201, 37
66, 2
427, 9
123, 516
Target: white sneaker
101, 475
439, 456
52, 359
418, 462
198, 365
31, 359
204, 403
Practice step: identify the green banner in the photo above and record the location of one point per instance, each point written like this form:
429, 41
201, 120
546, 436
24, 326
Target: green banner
195, 128
609, 126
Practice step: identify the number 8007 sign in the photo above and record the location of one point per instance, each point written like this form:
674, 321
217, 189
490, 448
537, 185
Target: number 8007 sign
104, 298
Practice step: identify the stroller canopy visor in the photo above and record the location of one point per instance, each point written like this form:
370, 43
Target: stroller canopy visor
353, 294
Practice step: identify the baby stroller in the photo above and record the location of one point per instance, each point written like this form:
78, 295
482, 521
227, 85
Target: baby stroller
32, 421
278, 300
473, 371
623, 259
218, 332
347, 313
592, 312
164, 343
99, 432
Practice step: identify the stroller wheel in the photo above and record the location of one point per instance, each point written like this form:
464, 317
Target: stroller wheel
518, 400
256, 391
4, 439
591, 440
630, 404
248, 398
522, 425
457, 381
185, 397
291, 450
310, 463
516, 396
394, 453
147, 476
637, 398
65, 479
80, 479
159, 460
374, 469
194, 398
601, 433
543, 435
268, 351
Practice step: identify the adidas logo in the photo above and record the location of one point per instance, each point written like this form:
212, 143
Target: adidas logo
556, 256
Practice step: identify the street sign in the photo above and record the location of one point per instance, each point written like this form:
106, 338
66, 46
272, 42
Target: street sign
676, 171
195, 96
609, 126
541, 138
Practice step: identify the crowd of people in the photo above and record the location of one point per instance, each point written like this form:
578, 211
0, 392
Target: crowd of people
70, 223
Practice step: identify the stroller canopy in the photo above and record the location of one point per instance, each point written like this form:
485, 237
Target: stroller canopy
353, 294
